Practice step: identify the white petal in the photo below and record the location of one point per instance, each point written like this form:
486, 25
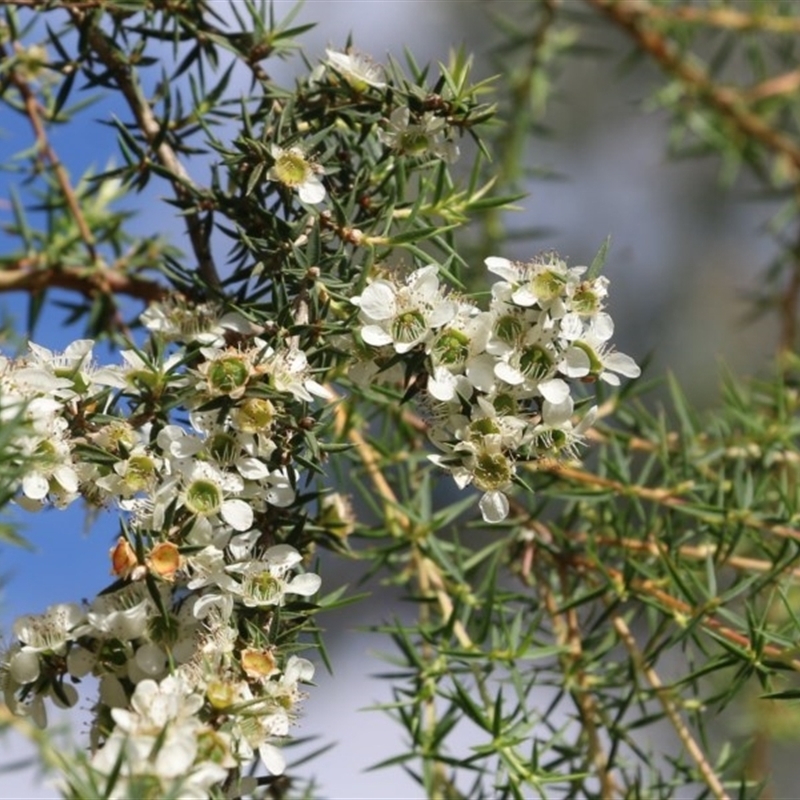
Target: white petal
571, 327
378, 301
312, 191
35, 486
298, 669
253, 469
375, 335
443, 312
280, 496
502, 267
610, 378
305, 585
24, 667
557, 414
272, 758
494, 507
524, 297
237, 514
282, 555
66, 477
151, 659
425, 281
602, 327
576, 363
509, 374
442, 385
624, 365
480, 372
555, 391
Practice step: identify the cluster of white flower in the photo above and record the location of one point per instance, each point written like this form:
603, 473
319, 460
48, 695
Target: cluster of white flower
199, 439
498, 381
406, 132
200, 575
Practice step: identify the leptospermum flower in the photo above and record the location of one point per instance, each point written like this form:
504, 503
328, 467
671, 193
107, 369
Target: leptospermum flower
404, 315
424, 137
206, 495
295, 171
264, 583
358, 69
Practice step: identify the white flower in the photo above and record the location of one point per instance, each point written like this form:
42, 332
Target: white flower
264, 583
288, 371
418, 138
358, 69
594, 357
404, 315
63, 375
49, 632
51, 471
205, 495
543, 282
483, 463
158, 740
124, 614
295, 171
176, 320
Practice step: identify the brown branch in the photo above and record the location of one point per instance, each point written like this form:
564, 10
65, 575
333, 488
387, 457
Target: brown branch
669, 497
567, 634
27, 275
692, 552
726, 100
653, 590
33, 111
182, 184
726, 18
788, 308
47, 5
664, 696
787, 83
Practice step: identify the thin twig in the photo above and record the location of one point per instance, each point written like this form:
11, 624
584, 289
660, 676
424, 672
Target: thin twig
664, 696
567, 633
29, 275
182, 184
694, 552
652, 589
730, 102
669, 497
730, 18
33, 111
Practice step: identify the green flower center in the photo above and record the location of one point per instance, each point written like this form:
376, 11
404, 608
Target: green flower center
292, 169
211, 747
483, 427
224, 448
534, 361
408, 327
505, 404
585, 301
46, 452
492, 471
451, 348
255, 414
413, 142
203, 497
139, 472
265, 588
228, 374
509, 328
548, 285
